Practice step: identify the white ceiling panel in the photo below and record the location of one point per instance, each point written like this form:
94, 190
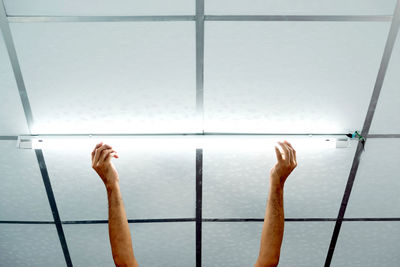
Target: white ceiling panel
238, 243
302, 7
12, 118
236, 181
109, 77
22, 192
30, 245
154, 244
99, 7
368, 244
290, 77
230, 244
376, 187
386, 119
154, 183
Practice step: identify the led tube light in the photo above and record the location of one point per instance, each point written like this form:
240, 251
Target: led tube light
245, 142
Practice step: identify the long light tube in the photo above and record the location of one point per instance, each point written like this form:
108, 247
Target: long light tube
244, 142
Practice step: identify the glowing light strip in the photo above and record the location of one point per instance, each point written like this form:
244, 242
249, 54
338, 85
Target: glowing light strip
244, 142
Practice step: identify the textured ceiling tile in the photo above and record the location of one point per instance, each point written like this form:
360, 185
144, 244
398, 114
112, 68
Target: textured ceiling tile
22, 192
89, 244
236, 182
154, 183
99, 7
230, 244
290, 77
368, 244
376, 187
238, 244
12, 118
302, 7
305, 243
30, 245
165, 244
386, 119
109, 77
154, 244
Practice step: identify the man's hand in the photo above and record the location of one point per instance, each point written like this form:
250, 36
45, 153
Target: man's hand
285, 165
274, 220
101, 163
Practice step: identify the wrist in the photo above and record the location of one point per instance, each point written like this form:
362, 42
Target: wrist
276, 182
111, 186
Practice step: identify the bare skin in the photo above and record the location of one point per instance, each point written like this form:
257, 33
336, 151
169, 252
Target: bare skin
274, 220
120, 237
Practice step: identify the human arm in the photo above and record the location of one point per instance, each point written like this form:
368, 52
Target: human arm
119, 233
274, 220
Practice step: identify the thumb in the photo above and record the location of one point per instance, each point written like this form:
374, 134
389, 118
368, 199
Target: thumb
110, 156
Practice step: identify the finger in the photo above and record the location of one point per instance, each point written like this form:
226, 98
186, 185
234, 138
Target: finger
112, 154
289, 144
94, 150
98, 152
286, 151
291, 155
293, 152
294, 157
108, 158
104, 155
278, 154
290, 151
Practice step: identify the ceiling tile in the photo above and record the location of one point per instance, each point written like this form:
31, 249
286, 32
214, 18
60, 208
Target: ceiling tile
12, 118
154, 244
236, 181
386, 119
368, 244
99, 7
154, 183
30, 245
302, 7
238, 243
376, 186
22, 192
290, 77
109, 77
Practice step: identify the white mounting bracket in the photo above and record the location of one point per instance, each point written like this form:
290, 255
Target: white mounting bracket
24, 142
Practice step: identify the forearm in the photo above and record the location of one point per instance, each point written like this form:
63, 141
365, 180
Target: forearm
120, 236
273, 228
